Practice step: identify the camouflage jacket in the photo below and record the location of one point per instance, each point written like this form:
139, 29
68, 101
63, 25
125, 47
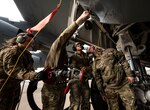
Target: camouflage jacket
57, 55
79, 61
110, 70
22, 70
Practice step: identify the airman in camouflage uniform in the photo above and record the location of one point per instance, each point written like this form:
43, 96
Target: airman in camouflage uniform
53, 97
80, 91
113, 77
23, 70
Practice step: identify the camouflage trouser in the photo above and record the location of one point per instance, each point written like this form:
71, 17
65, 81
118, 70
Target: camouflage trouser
79, 96
53, 97
126, 95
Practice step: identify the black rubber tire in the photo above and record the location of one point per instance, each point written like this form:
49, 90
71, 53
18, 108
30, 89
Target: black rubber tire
97, 101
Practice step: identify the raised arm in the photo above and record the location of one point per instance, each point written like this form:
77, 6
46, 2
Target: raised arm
59, 43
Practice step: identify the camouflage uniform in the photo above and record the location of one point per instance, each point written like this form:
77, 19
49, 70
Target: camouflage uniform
9, 96
53, 97
110, 70
80, 91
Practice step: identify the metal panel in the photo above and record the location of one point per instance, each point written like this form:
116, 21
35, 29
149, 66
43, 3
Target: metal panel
119, 11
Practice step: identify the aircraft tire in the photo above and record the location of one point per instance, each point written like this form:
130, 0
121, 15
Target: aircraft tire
97, 101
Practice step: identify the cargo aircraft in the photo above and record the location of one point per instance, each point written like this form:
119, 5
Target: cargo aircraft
120, 24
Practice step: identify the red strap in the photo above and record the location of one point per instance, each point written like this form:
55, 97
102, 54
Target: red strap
82, 72
67, 88
43, 22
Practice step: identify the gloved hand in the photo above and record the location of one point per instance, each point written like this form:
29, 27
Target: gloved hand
51, 76
41, 75
44, 74
48, 75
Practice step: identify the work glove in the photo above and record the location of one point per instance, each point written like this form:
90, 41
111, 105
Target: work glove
41, 75
50, 77
44, 74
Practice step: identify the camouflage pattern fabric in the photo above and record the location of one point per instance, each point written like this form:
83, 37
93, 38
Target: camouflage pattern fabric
80, 91
9, 96
53, 97
110, 70
126, 95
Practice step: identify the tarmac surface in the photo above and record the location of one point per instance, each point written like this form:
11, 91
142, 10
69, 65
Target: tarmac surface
23, 105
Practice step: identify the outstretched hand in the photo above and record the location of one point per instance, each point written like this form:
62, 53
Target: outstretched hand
83, 17
131, 79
